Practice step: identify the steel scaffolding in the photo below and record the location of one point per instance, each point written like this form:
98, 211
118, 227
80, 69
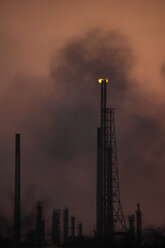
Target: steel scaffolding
110, 217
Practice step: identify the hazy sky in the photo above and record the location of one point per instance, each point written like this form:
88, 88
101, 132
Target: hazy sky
52, 52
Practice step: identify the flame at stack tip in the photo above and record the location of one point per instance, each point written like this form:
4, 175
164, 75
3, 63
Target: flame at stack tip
100, 80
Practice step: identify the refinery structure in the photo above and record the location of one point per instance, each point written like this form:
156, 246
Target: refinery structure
110, 219
110, 215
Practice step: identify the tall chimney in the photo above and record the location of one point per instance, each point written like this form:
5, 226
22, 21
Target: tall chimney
17, 202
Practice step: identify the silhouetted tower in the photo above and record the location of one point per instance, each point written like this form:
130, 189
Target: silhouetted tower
110, 216
17, 202
72, 226
40, 225
139, 225
65, 224
56, 227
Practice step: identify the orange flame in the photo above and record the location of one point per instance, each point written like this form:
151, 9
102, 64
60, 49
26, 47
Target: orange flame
100, 80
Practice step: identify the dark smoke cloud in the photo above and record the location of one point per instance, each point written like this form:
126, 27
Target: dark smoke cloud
58, 116
79, 66
139, 121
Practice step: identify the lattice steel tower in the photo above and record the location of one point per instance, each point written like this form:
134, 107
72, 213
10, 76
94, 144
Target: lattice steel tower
110, 217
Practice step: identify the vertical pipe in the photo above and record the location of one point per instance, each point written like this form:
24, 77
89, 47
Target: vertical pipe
102, 167
104, 152
65, 224
17, 203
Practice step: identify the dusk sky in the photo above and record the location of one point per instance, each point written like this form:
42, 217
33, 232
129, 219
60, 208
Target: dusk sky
51, 54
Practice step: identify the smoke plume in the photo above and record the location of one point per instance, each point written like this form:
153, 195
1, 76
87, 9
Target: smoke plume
58, 117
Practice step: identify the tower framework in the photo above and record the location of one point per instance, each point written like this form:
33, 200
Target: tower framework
110, 217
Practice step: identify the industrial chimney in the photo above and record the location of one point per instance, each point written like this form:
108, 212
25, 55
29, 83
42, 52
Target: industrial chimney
17, 203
